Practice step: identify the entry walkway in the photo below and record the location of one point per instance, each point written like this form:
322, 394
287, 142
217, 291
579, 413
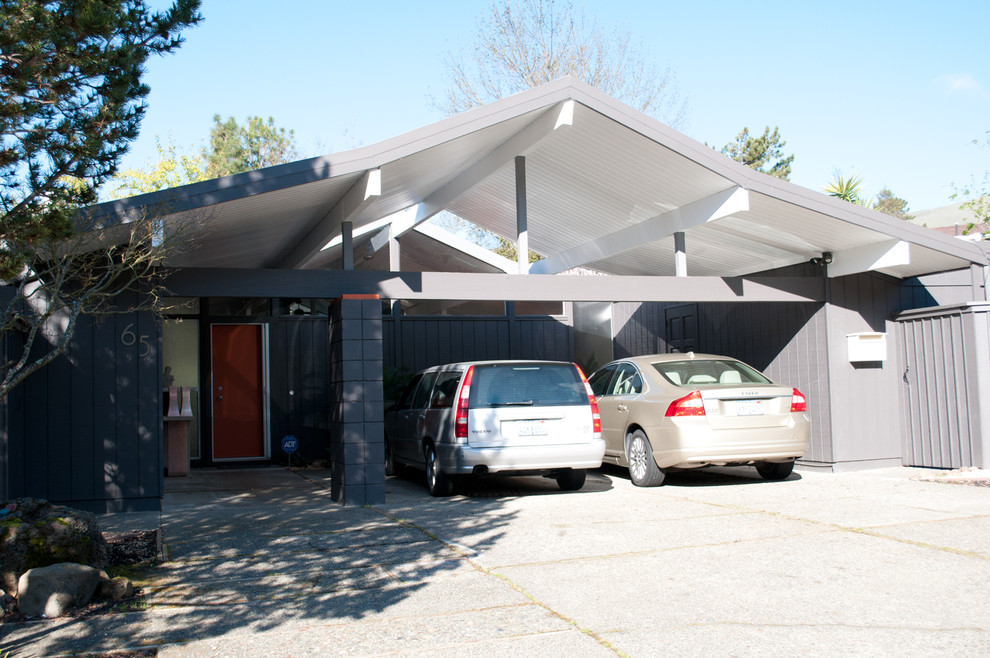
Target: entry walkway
260, 562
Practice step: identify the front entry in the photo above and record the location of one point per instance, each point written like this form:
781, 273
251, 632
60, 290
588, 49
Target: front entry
239, 410
682, 327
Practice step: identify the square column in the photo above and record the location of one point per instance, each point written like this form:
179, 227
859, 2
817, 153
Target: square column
357, 422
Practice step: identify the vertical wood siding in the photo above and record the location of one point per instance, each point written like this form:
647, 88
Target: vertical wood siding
300, 362
946, 381
787, 341
85, 430
413, 343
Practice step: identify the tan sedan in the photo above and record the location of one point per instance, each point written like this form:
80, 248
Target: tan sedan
690, 410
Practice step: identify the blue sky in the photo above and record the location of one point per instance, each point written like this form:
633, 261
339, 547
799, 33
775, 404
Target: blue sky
892, 92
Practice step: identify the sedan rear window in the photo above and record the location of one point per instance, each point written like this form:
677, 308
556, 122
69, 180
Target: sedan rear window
540, 384
709, 373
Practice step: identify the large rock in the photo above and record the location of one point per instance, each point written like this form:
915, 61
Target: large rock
39, 534
50, 591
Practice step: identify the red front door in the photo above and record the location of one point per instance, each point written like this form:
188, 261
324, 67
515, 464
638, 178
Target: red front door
238, 391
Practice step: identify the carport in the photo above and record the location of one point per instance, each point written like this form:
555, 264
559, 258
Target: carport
650, 240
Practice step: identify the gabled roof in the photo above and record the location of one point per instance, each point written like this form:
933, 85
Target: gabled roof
607, 187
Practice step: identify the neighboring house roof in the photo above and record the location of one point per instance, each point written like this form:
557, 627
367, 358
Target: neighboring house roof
969, 231
950, 215
607, 187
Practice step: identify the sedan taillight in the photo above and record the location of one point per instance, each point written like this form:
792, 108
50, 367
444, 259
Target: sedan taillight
461, 413
798, 401
596, 417
689, 405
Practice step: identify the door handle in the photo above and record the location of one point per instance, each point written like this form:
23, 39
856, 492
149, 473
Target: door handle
219, 397
622, 407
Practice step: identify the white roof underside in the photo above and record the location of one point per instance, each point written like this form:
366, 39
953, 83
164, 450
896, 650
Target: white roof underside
611, 169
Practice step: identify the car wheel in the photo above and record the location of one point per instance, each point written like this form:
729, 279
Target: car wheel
643, 469
772, 471
437, 482
572, 480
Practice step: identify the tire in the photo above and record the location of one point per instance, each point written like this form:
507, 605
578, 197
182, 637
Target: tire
572, 479
643, 469
438, 483
772, 471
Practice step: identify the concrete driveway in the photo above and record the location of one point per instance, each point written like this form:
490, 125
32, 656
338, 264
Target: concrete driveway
714, 562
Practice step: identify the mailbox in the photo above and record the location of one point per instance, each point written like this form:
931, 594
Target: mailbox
867, 346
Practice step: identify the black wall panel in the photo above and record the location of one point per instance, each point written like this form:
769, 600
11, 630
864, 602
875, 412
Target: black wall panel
85, 430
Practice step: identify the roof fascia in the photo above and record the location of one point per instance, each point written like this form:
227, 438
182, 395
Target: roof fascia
239, 186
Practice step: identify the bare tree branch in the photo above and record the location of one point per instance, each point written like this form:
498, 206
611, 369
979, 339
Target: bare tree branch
521, 44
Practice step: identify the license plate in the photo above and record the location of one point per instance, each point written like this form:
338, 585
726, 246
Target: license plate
750, 407
531, 427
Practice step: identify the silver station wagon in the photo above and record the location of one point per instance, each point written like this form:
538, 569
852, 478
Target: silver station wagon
496, 417
690, 410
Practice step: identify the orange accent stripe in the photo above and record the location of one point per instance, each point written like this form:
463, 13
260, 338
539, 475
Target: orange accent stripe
364, 296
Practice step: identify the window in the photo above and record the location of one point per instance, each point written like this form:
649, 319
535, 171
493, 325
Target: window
709, 373
627, 381
304, 306
539, 308
543, 384
444, 391
180, 306
452, 307
599, 381
238, 306
422, 393
405, 402
180, 367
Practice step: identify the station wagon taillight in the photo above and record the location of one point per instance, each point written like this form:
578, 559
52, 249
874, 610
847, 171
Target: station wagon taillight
596, 417
798, 401
461, 413
689, 405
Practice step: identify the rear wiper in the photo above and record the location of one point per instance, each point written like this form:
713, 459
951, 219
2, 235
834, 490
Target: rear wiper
520, 403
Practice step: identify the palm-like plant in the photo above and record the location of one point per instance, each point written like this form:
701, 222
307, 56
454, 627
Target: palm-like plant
847, 189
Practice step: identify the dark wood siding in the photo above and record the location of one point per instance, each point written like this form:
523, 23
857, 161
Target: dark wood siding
413, 343
300, 387
85, 430
787, 341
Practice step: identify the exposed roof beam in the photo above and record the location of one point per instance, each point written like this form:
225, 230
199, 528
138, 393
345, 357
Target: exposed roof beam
466, 246
561, 114
716, 206
368, 186
497, 287
870, 257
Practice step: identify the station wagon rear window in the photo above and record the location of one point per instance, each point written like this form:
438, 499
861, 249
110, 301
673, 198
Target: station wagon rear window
711, 372
538, 385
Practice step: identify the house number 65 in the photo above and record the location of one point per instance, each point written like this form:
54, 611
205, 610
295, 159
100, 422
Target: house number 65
128, 338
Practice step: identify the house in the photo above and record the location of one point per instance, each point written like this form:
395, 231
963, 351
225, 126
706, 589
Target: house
312, 285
